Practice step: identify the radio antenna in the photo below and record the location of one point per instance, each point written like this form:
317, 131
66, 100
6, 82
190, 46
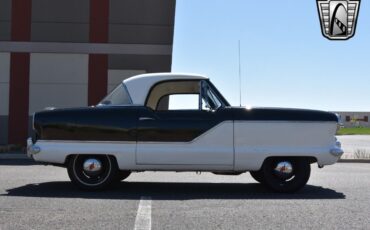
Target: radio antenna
240, 77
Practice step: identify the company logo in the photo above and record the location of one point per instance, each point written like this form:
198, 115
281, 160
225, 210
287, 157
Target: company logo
338, 18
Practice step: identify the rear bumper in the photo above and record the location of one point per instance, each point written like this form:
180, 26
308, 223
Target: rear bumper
32, 148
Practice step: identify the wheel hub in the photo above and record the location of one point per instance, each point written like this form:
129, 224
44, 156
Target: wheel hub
92, 166
284, 169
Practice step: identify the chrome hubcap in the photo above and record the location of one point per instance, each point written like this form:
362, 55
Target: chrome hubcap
284, 169
92, 166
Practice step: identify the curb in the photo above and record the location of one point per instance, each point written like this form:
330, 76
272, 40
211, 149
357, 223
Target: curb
354, 161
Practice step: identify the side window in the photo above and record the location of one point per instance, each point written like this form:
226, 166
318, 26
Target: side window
183, 102
209, 99
172, 95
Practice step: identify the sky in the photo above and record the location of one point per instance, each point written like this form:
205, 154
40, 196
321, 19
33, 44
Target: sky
285, 60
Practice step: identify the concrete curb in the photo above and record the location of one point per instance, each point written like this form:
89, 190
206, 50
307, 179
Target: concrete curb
354, 161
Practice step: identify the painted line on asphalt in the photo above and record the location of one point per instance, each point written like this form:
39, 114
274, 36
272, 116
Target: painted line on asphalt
143, 219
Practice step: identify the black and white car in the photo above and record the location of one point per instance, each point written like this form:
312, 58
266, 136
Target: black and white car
133, 130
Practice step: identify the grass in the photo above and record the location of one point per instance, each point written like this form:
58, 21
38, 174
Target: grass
354, 131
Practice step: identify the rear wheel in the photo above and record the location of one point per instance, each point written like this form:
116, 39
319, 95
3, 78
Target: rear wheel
93, 172
286, 174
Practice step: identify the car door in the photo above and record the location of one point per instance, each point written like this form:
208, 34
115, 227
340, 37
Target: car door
185, 137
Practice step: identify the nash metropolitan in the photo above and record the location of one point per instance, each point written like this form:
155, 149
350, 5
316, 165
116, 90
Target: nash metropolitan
136, 129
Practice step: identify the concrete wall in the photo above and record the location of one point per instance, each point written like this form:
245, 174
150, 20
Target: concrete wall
359, 116
57, 80
116, 76
4, 96
60, 21
150, 63
141, 21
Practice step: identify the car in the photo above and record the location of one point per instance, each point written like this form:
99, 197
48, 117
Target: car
181, 122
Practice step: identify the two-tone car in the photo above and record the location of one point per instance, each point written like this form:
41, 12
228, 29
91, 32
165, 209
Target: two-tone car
147, 124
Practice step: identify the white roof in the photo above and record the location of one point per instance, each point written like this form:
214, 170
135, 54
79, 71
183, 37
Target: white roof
138, 86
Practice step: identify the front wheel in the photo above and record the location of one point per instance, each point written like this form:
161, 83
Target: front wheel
93, 172
286, 174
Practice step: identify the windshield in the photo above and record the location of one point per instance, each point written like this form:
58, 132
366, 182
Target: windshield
119, 96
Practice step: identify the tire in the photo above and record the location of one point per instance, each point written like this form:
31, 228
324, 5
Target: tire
98, 180
277, 177
123, 175
258, 176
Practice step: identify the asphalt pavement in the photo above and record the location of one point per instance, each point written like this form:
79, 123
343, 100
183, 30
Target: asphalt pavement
41, 197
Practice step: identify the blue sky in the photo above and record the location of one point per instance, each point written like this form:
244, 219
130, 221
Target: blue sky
286, 62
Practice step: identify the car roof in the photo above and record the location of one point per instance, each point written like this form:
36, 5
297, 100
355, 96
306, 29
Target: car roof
138, 86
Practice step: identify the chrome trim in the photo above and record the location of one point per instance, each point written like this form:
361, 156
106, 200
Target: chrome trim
284, 167
337, 151
32, 148
82, 141
146, 119
338, 144
33, 121
92, 166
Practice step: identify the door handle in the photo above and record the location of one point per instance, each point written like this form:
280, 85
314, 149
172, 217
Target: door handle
146, 119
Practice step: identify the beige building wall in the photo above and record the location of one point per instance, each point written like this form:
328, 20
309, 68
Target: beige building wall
353, 119
4, 96
116, 76
58, 80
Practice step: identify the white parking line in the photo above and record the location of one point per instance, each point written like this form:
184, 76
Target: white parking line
143, 219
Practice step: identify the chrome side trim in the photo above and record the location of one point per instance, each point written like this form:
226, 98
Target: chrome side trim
146, 119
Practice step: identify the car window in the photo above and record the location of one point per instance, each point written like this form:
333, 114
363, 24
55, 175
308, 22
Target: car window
119, 96
209, 99
183, 102
159, 94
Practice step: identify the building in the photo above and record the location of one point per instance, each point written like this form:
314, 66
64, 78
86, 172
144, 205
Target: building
354, 119
68, 53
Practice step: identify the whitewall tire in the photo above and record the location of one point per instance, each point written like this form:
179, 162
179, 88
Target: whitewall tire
93, 172
286, 175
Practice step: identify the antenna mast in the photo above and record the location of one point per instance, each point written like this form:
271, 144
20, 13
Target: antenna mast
240, 78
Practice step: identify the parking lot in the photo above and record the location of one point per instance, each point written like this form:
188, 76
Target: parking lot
41, 197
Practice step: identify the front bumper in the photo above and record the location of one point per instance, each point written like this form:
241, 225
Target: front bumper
337, 151
32, 148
